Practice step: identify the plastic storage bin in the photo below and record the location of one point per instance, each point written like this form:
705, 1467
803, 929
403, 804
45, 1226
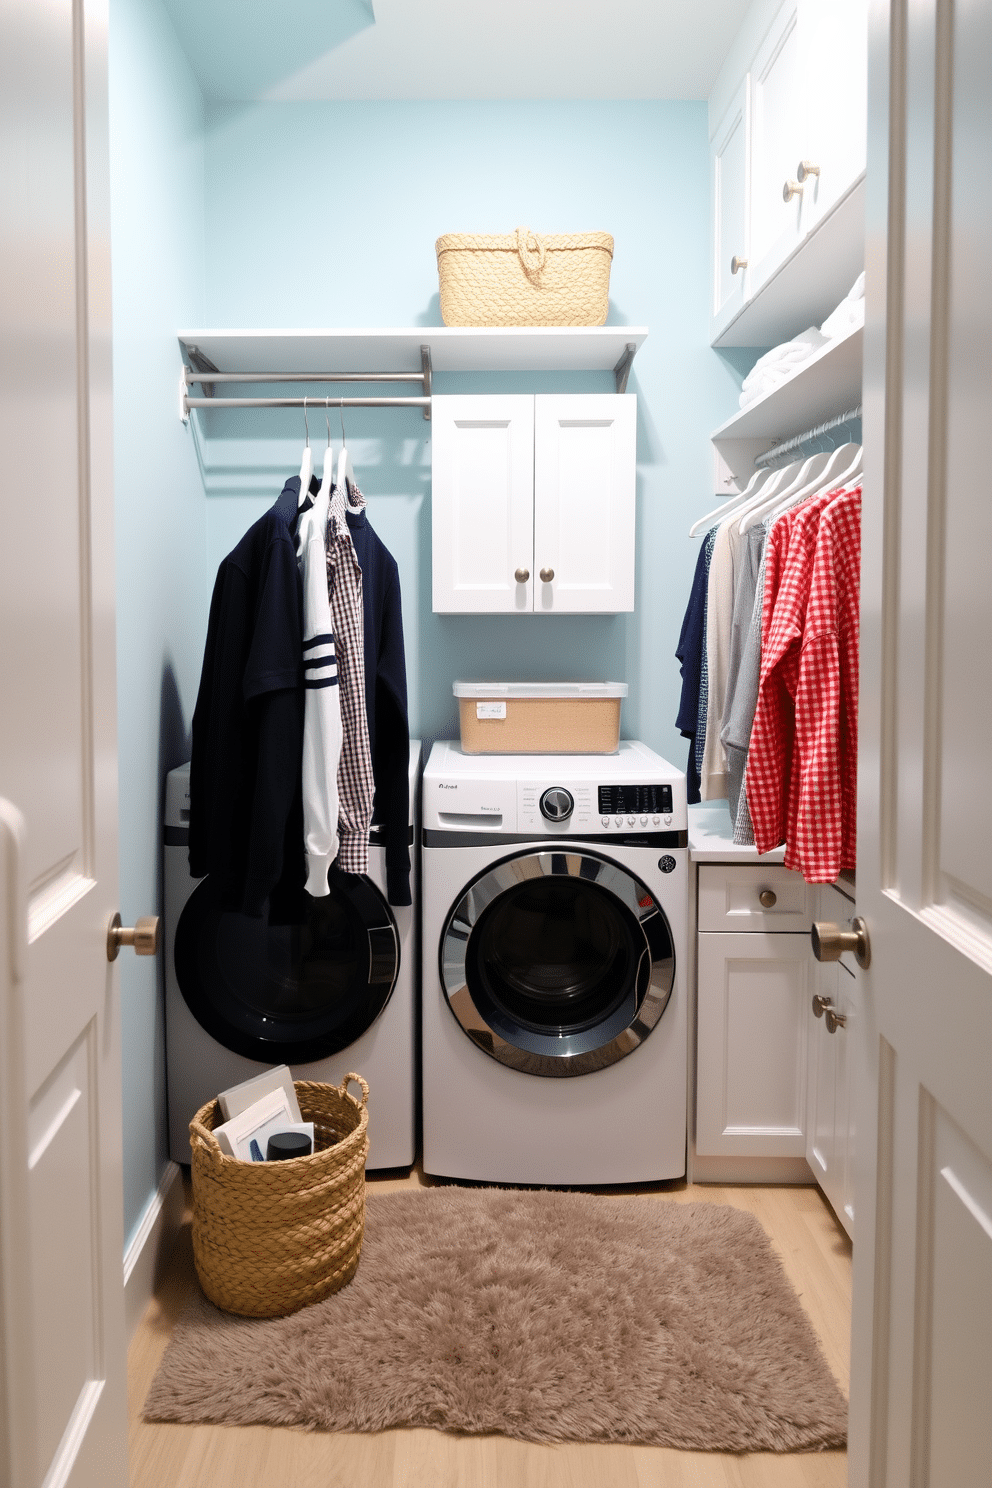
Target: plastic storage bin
540, 717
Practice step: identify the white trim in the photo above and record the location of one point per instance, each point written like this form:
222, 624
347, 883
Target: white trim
152, 1244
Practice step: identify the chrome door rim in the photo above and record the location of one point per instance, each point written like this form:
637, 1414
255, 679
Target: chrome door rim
558, 1059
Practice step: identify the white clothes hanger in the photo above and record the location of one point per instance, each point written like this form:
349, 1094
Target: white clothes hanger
830, 479
852, 475
344, 471
803, 485
328, 472
306, 468
704, 523
775, 482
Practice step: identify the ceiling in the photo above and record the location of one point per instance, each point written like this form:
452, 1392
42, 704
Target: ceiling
245, 50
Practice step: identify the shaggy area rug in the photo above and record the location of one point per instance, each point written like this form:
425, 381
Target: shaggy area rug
543, 1315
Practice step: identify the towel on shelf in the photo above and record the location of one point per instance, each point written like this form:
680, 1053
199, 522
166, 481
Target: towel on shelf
849, 313
779, 364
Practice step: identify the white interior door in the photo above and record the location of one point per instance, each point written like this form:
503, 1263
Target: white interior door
63, 1356
922, 1340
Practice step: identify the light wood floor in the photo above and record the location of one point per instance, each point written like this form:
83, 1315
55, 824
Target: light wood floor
817, 1257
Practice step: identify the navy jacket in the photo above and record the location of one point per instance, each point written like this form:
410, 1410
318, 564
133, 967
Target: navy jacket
246, 802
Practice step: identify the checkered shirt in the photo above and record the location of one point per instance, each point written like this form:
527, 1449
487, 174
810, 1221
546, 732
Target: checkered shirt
355, 780
788, 573
822, 827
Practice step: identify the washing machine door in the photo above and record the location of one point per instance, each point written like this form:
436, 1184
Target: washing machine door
289, 994
557, 963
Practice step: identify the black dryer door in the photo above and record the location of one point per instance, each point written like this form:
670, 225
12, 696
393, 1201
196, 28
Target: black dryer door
289, 994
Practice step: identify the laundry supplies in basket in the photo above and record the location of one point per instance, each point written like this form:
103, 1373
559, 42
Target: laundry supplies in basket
271, 1237
524, 278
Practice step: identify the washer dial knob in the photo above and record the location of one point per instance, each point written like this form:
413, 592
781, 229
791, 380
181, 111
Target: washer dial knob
557, 804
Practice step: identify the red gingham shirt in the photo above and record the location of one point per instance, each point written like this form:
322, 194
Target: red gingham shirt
821, 832
789, 570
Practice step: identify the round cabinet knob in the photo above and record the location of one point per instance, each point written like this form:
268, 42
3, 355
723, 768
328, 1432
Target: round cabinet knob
547, 574
830, 941
142, 936
835, 1020
820, 1005
737, 263
521, 575
805, 169
791, 189
768, 898
557, 804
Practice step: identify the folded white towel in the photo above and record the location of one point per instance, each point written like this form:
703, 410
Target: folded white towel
779, 364
850, 312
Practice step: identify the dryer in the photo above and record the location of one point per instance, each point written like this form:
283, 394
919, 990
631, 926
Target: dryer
554, 1011
334, 994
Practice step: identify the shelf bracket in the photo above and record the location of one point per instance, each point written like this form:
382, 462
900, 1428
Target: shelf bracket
622, 369
425, 362
197, 363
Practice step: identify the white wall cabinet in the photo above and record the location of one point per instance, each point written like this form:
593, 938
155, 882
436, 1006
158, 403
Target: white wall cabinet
830, 1132
801, 102
533, 503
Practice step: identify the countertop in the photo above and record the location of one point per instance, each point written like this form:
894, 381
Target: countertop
711, 838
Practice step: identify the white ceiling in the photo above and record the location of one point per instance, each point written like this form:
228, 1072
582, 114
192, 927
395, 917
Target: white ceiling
487, 49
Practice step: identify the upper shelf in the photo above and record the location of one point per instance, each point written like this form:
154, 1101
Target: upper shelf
452, 349
810, 283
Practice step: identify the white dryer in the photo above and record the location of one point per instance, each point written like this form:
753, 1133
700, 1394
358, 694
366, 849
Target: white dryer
554, 897
334, 994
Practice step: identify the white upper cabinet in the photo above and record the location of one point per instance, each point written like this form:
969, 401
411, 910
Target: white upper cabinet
730, 159
533, 502
792, 101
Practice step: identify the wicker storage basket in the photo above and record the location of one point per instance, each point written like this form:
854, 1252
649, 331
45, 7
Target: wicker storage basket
521, 279
268, 1238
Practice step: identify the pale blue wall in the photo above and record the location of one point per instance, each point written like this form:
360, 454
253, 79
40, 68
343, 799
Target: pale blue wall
156, 119
326, 214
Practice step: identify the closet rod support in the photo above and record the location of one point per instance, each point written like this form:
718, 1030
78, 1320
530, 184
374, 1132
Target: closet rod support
427, 372
622, 369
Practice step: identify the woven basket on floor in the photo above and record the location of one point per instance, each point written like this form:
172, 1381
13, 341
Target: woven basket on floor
270, 1237
521, 279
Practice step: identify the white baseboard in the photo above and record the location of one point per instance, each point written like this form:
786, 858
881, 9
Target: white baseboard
152, 1245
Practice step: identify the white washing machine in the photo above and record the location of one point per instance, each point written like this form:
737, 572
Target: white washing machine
554, 893
337, 993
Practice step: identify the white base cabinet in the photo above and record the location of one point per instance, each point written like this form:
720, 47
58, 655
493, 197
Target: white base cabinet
533, 503
830, 1132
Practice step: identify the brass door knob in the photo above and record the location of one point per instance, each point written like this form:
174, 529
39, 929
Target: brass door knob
835, 1020
830, 941
521, 575
547, 574
143, 935
768, 898
791, 189
805, 169
821, 1005
737, 263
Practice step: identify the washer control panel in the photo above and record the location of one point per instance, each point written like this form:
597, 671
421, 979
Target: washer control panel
636, 806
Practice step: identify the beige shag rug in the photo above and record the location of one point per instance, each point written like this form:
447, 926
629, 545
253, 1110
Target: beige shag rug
549, 1316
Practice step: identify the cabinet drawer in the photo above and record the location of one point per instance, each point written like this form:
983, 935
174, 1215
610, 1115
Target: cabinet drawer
729, 898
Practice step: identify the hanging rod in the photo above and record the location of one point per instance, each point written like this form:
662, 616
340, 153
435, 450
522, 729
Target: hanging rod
789, 446
203, 371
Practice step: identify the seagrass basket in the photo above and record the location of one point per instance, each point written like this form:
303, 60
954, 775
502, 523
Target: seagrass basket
271, 1237
523, 279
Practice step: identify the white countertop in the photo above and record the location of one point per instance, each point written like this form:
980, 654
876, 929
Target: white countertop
711, 838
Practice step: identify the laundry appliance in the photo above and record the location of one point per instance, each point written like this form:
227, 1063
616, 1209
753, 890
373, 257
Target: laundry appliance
333, 994
554, 902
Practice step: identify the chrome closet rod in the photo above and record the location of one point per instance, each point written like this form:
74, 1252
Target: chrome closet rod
260, 377
313, 405
787, 446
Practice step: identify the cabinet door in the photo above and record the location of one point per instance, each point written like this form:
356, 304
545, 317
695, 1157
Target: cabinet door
753, 998
482, 503
830, 1109
835, 46
778, 143
584, 502
730, 171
